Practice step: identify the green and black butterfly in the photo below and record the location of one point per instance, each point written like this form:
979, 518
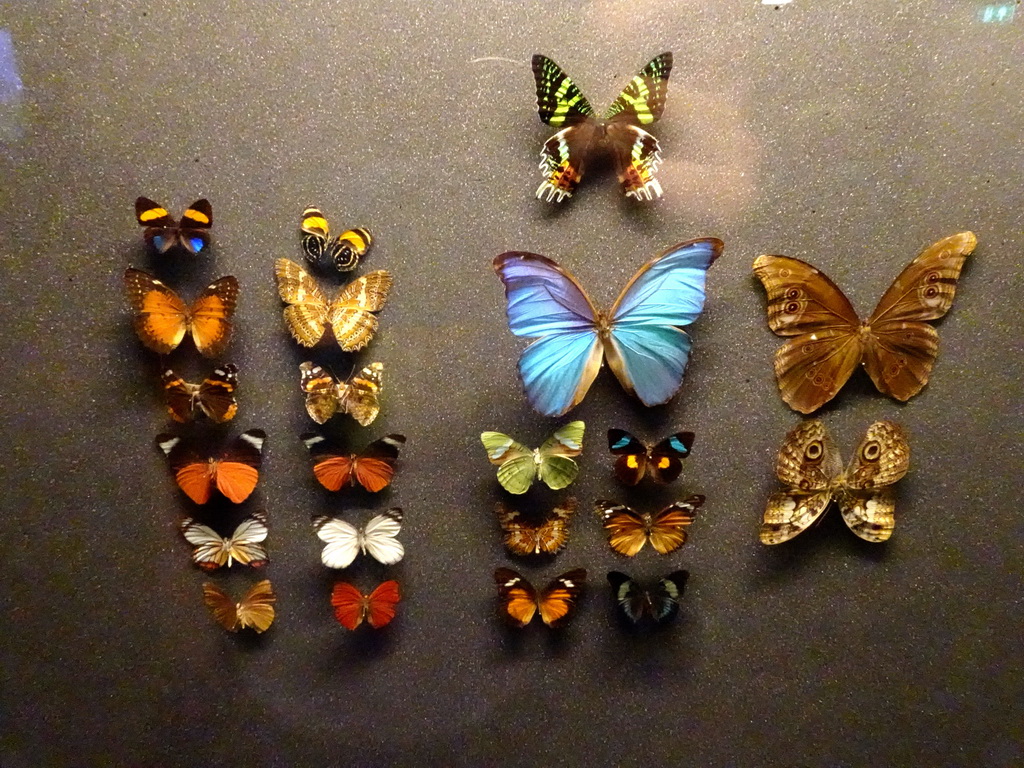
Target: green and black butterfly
659, 603
519, 466
581, 135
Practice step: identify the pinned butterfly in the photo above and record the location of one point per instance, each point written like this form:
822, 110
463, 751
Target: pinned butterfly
234, 472
666, 530
641, 336
658, 603
554, 462
527, 537
163, 233
895, 346
378, 539
372, 468
582, 137
663, 461
352, 607
358, 396
810, 465
519, 601
214, 396
244, 546
254, 611
342, 252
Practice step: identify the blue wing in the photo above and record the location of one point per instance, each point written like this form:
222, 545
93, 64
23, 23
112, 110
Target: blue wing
558, 370
649, 361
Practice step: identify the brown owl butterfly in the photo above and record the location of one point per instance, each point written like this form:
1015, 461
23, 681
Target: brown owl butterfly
546, 537
895, 346
809, 463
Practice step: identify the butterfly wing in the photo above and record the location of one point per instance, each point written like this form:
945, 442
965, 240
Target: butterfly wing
359, 397
809, 463
246, 543
237, 472
627, 530
308, 311
348, 248
221, 606
179, 395
256, 610
381, 604
667, 529
211, 551
630, 598
665, 459
557, 603
643, 100
561, 105
545, 302
161, 317
866, 502
342, 539
352, 312
192, 471
901, 347
379, 537
349, 604
802, 302
161, 229
645, 348
210, 316
193, 234
216, 395
516, 466
517, 599
557, 469
631, 463
331, 466
375, 466
316, 237
321, 392
665, 597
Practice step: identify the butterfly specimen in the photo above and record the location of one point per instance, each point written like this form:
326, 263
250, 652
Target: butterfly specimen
359, 396
582, 136
640, 336
659, 603
349, 315
344, 541
895, 346
255, 610
543, 538
352, 607
810, 464
162, 319
245, 546
234, 472
662, 461
520, 602
628, 531
214, 397
163, 232
372, 468
343, 252
519, 466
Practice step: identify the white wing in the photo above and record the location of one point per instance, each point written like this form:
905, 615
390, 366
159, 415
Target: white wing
210, 547
245, 544
342, 541
378, 538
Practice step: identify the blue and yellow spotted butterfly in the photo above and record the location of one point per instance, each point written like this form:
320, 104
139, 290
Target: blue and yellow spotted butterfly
640, 336
581, 135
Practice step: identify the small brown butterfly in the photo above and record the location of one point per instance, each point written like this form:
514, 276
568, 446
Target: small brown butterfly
628, 530
546, 537
350, 315
214, 396
359, 396
810, 464
894, 345
255, 610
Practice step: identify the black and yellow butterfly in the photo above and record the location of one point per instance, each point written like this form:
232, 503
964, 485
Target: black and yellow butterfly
662, 461
342, 252
581, 135
163, 232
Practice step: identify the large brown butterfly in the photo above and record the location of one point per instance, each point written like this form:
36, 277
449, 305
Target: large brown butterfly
520, 602
352, 607
810, 464
350, 315
163, 232
359, 396
162, 319
372, 468
895, 346
215, 396
628, 531
234, 472
547, 537
255, 610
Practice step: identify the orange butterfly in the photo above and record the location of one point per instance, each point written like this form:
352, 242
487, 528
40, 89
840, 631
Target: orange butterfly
352, 607
255, 610
628, 531
372, 469
520, 602
234, 473
162, 319
547, 537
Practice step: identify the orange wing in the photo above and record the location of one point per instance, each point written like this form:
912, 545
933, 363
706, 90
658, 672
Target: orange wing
235, 480
196, 480
210, 316
334, 473
373, 474
380, 605
557, 602
349, 605
161, 317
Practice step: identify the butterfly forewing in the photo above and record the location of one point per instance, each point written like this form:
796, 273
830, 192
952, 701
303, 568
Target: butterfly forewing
559, 101
643, 100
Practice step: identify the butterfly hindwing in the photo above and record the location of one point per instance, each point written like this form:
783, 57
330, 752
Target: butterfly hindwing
163, 232
519, 601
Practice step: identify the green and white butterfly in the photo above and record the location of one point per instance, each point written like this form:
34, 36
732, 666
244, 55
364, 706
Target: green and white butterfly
519, 466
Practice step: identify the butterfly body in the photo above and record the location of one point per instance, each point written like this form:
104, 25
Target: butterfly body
352, 607
895, 345
628, 530
659, 603
519, 601
553, 463
547, 537
163, 232
255, 610
358, 396
378, 539
234, 472
583, 136
810, 465
342, 252
373, 468
663, 461
214, 397
244, 546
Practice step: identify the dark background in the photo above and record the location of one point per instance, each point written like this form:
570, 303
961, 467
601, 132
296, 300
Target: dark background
849, 134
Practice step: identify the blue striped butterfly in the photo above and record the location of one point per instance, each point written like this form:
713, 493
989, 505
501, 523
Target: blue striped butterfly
659, 603
640, 336
581, 136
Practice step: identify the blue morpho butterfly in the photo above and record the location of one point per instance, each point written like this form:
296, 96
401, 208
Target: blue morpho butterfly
662, 461
659, 603
640, 336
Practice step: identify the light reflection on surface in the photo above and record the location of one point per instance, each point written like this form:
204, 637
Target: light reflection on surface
998, 14
11, 126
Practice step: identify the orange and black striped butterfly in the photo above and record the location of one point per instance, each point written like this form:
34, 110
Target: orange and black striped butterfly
628, 531
547, 537
163, 232
662, 461
372, 468
214, 397
255, 610
162, 319
352, 607
234, 472
556, 603
359, 396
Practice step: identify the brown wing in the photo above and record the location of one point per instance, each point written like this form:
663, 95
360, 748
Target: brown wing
351, 313
867, 504
321, 392
803, 302
161, 317
667, 530
179, 395
901, 347
221, 606
517, 598
790, 513
256, 610
627, 530
360, 395
308, 310
210, 316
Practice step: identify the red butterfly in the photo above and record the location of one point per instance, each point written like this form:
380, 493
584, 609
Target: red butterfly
351, 606
372, 469
234, 472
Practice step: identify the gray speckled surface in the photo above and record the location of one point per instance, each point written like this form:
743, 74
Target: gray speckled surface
849, 134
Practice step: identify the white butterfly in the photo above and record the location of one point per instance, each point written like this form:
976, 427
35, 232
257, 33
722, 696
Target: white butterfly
244, 546
345, 541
